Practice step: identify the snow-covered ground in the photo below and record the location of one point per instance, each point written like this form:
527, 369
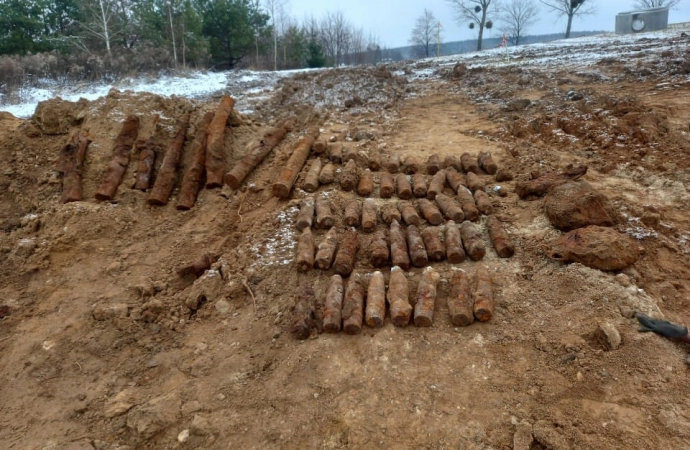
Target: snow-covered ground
577, 52
239, 84
580, 52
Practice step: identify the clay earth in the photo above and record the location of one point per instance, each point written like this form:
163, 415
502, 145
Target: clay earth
104, 346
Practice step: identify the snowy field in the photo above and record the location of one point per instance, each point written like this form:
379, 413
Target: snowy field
576, 52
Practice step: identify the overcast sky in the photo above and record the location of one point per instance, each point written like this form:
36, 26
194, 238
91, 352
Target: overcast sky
392, 20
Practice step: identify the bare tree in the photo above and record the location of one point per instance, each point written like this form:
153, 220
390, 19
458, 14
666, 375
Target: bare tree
101, 14
476, 11
517, 16
357, 47
335, 36
647, 4
424, 32
570, 8
275, 10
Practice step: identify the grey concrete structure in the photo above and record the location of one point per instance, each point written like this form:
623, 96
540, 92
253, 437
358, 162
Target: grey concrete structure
641, 21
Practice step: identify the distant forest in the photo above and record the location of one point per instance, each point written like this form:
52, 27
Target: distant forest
67, 41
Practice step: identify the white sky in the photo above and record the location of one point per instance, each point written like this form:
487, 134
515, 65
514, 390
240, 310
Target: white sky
392, 21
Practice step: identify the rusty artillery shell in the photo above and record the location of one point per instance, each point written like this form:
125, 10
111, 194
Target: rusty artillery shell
350, 153
254, 157
390, 212
409, 213
370, 213
469, 163
70, 164
324, 213
198, 267
353, 210
474, 183
353, 305
162, 187
348, 177
433, 164
403, 186
327, 175
504, 175
483, 202
432, 242
375, 159
455, 179
347, 253
191, 180
466, 200
326, 250
460, 303
215, 145
376, 300
378, 249
436, 186
288, 176
366, 184
454, 251
483, 295
472, 241
499, 237
311, 181
399, 255
426, 298
415, 245
386, 185
303, 320
320, 145
411, 165
451, 161
486, 162
305, 217
333, 306
335, 152
450, 208
430, 212
419, 185
122, 148
305, 251
393, 163
147, 158
399, 298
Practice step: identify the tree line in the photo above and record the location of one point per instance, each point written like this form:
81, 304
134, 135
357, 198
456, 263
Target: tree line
97, 36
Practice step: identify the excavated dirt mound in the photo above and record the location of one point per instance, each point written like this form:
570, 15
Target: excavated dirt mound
105, 346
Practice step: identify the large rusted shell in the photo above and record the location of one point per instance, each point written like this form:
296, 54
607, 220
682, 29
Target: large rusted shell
576, 204
596, 247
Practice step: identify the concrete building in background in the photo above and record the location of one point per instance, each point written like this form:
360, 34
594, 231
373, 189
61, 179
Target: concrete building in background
642, 21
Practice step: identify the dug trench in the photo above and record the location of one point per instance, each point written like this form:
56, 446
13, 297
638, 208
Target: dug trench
106, 346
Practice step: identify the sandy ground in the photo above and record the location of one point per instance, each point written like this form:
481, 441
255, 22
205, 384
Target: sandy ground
100, 349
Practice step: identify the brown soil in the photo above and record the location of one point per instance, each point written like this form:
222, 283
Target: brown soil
102, 350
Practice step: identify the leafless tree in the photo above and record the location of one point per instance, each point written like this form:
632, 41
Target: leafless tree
476, 11
275, 10
424, 32
570, 8
647, 4
357, 46
516, 17
99, 23
335, 36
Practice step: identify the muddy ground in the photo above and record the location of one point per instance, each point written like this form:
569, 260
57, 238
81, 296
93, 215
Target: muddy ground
100, 349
